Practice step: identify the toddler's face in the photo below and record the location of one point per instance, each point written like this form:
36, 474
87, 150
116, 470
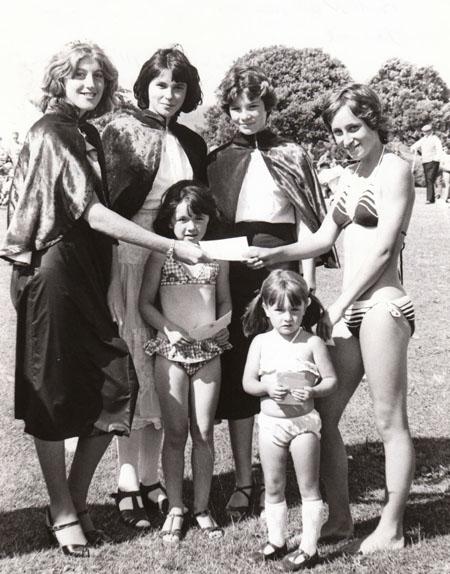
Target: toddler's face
284, 317
187, 225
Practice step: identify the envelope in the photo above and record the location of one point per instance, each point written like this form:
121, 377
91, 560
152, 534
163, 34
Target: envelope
232, 249
210, 329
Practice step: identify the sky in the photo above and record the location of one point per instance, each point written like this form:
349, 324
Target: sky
363, 34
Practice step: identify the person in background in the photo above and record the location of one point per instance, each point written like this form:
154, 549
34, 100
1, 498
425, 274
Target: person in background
430, 148
146, 152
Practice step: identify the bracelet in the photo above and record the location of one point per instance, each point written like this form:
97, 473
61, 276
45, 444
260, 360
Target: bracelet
171, 250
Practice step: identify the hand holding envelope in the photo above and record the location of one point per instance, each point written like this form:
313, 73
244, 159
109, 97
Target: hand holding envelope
210, 329
233, 249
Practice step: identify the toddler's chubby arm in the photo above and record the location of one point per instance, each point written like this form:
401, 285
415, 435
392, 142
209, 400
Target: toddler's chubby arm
147, 297
251, 380
329, 381
223, 299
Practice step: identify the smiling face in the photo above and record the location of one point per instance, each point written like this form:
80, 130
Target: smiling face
249, 116
86, 86
354, 134
284, 317
187, 225
166, 96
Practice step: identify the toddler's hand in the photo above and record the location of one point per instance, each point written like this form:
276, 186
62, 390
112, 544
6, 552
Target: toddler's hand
304, 394
178, 337
222, 336
276, 390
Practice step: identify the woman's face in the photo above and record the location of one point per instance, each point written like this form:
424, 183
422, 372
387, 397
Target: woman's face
166, 96
249, 116
86, 86
354, 134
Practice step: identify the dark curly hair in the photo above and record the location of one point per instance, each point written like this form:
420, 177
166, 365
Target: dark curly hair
182, 70
199, 199
249, 80
363, 102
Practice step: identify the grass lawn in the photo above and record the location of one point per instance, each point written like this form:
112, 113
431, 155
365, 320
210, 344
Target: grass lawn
23, 542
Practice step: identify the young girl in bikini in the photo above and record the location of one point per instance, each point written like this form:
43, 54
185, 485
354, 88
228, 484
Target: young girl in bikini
174, 299
288, 367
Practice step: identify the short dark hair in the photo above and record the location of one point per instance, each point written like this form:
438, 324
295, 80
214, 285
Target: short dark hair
182, 70
199, 199
249, 80
363, 102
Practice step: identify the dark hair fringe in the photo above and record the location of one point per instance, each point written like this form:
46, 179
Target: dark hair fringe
249, 80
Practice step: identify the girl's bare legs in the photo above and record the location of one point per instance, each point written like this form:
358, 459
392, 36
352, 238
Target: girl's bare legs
273, 462
347, 361
305, 450
384, 337
205, 386
172, 384
241, 438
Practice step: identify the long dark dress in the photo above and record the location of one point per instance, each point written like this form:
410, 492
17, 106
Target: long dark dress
74, 376
292, 172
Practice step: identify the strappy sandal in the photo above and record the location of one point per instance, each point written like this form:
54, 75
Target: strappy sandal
55, 535
94, 536
239, 512
299, 560
162, 505
213, 531
135, 517
172, 530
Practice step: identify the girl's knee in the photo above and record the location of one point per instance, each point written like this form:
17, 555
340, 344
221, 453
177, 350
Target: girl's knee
202, 436
176, 437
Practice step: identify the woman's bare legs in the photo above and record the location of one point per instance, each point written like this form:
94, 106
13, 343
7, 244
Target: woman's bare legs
241, 438
205, 387
347, 360
172, 385
383, 336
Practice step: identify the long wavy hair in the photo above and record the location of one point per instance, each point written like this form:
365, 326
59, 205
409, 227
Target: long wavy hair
64, 64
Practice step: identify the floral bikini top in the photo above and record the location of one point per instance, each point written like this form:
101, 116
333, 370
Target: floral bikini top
174, 272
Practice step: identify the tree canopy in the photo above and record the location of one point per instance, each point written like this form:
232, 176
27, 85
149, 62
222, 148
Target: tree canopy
301, 78
412, 96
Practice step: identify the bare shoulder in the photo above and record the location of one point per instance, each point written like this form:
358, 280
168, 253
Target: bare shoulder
396, 174
315, 341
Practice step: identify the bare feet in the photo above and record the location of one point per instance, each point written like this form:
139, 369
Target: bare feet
375, 542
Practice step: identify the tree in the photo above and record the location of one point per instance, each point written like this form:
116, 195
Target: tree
301, 78
412, 96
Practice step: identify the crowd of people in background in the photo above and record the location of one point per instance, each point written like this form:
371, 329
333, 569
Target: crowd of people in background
110, 280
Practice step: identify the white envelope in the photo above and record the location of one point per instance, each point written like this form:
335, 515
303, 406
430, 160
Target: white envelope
210, 329
232, 249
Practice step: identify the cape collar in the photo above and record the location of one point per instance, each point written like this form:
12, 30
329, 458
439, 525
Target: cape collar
149, 115
64, 108
264, 139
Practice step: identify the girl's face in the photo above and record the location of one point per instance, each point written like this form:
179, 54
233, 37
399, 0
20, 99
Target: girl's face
249, 116
285, 318
165, 95
86, 86
354, 134
187, 225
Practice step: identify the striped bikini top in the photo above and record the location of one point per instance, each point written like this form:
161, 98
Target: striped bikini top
354, 206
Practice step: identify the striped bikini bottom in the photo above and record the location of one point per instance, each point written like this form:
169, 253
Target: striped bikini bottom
402, 306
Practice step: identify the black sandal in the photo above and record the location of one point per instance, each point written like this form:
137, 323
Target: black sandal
135, 517
268, 553
74, 550
150, 505
239, 512
94, 536
299, 560
213, 531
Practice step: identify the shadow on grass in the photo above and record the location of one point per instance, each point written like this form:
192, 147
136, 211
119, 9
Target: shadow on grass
23, 531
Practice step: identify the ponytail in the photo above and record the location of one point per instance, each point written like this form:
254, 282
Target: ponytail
254, 320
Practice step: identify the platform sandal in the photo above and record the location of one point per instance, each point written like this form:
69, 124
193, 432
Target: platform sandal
162, 505
213, 530
136, 516
56, 534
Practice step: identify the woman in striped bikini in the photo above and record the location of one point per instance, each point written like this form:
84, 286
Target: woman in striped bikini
373, 205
